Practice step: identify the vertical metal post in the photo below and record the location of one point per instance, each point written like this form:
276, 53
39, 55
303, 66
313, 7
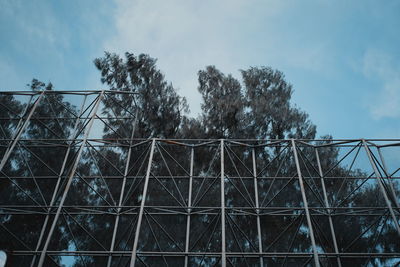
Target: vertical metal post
321, 174
70, 178
189, 207
140, 216
260, 250
21, 119
223, 245
53, 198
121, 197
382, 188
20, 131
389, 178
303, 194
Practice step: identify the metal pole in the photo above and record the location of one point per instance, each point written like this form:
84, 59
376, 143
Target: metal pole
189, 207
74, 131
22, 117
382, 188
70, 178
260, 250
121, 197
389, 178
303, 194
139, 222
223, 245
19, 132
321, 174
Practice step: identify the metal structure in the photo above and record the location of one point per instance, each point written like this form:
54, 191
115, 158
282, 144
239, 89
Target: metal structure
77, 188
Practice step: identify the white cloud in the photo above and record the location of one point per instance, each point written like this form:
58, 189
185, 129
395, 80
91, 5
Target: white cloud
186, 36
385, 101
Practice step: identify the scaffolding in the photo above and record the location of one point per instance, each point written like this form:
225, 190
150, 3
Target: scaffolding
78, 188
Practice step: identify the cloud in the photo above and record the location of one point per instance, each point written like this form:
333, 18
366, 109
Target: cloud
34, 23
186, 36
51, 41
384, 102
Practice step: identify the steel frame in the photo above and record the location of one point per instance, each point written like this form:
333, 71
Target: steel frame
128, 201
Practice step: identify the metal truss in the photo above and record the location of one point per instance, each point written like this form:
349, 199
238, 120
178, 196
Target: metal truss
78, 188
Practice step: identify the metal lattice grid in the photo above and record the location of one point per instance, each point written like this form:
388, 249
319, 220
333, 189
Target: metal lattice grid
79, 189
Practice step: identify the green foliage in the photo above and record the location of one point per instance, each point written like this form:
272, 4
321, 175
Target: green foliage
258, 108
160, 108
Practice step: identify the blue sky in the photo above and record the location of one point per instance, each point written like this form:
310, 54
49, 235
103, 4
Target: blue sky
342, 57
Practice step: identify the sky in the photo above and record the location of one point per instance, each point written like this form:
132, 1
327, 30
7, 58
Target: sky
342, 57
3, 258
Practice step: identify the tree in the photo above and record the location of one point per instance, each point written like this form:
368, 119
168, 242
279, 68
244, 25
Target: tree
223, 105
258, 108
270, 112
160, 109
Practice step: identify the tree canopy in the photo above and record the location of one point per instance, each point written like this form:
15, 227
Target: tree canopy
160, 108
259, 106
